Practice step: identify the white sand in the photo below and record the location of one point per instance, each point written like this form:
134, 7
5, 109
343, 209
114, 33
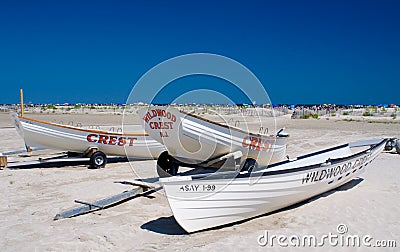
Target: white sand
32, 197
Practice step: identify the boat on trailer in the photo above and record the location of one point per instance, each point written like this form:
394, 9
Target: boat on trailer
194, 141
95, 144
205, 201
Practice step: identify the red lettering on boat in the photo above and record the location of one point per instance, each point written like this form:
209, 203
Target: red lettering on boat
131, 139
113, 140
90, 139
103, 139
121, 141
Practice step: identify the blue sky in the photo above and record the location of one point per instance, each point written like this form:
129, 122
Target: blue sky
343, 52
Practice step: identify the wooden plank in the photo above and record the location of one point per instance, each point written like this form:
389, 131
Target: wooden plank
108, 202
98, 205
21, 100
3, 161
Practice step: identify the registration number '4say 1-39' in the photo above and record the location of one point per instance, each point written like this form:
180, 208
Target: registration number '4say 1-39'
197, 188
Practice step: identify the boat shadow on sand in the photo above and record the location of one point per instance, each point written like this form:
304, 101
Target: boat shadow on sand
169, 226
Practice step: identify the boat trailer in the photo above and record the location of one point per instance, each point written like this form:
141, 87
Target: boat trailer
92, 157
140, 189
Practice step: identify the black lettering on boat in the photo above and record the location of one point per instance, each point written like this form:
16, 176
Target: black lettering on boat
315, 176
208, 187
341, 170
323, 174
306, 179
197, 188
330, 173
337, 170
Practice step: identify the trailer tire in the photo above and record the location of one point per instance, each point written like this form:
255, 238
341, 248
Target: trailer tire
249, 164
98, 160
397, 146
166, 166
390, 144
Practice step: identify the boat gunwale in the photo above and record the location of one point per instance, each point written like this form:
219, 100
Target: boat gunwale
235, 174
84, 130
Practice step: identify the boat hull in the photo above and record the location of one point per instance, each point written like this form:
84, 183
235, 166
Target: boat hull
38, 133
202, 202
189, 138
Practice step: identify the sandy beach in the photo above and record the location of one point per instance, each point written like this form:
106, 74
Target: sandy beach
32, 197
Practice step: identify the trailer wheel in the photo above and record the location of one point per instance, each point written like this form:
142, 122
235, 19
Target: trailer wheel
249, 164
390, 144
166, 165
98, 160
398, 146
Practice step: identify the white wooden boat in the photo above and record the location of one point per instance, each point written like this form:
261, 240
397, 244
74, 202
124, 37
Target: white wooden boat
192, 140
208, 200
37, 133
